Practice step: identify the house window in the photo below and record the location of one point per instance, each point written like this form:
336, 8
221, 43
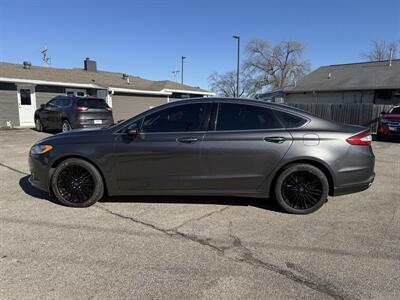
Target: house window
25, 96
75, 92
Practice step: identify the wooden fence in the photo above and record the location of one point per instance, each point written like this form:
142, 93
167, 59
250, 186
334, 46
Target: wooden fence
357, 114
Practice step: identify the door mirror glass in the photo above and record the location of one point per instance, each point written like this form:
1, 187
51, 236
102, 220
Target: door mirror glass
132, 131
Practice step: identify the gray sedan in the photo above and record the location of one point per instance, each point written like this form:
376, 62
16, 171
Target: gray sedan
209, 146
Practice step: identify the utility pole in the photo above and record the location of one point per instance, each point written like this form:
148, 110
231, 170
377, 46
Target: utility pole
238, 64
183, 57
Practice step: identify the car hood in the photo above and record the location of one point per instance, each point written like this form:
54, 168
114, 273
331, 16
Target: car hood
392, 117
78, 136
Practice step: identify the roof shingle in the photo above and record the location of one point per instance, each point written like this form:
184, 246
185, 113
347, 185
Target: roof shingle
356, 76
81, 76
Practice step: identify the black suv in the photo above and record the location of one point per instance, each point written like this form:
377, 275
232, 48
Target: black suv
68, 112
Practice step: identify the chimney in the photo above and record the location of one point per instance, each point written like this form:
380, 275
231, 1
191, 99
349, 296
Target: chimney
390, 56
27, 65
126, 78
90, 65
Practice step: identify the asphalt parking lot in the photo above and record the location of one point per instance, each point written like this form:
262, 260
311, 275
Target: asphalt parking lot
195, 247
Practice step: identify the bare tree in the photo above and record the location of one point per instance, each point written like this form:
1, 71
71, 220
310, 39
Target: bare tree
276, 67
380, 50
225, 84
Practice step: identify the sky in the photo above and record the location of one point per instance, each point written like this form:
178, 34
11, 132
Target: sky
148, 38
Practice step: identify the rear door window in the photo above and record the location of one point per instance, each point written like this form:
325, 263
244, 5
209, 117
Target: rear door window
92, 103
233, 116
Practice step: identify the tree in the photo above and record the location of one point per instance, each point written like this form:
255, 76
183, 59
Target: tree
276, 67
225, 84
380, 51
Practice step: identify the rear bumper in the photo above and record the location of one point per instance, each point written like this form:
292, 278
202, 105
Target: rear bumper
354, 187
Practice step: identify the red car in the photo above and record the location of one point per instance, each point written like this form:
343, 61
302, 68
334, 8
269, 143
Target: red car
389, 123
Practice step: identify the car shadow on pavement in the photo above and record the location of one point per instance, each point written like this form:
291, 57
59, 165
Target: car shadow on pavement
267, 204
32, 191
386, 139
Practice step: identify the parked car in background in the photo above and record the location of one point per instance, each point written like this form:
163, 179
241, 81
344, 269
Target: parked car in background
209, 146
389, 123
69, 112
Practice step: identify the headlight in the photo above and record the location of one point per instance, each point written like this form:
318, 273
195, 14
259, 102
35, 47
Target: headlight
41, 149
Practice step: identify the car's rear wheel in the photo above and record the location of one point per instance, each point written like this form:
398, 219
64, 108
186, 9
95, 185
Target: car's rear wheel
77, 183
301, 188
38, 125
66, 126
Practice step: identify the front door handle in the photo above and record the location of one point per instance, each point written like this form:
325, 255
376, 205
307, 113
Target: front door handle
188, 140
275, 139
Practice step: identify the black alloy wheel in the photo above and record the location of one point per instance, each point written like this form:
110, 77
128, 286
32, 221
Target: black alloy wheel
301, 188
77, 183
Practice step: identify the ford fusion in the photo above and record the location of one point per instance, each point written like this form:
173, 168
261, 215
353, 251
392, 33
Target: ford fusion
208, 147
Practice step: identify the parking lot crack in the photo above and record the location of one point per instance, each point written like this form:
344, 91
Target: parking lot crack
199, 218
300, 275
237, 252
13, 169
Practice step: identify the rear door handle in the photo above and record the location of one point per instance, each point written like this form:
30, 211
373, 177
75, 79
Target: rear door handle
275, 139
188, 140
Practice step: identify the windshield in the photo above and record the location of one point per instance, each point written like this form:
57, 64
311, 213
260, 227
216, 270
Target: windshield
92, 103
395, 111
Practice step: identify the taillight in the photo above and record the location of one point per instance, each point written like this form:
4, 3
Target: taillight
109, 109
362, 139
81, 108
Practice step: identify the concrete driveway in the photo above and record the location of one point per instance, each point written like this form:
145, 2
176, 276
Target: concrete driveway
186, 247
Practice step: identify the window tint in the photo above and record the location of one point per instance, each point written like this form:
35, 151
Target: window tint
395, 110
176, 119
244, 117
61, 102
289, 120
92, 103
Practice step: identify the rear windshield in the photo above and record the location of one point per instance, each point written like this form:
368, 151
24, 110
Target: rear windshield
92, 103
395, 111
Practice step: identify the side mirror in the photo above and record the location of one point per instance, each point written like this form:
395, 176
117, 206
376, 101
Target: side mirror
132, 132
383, 113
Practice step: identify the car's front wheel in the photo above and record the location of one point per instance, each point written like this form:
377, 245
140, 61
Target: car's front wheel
65, 126
39, 125
301, 188
77, 183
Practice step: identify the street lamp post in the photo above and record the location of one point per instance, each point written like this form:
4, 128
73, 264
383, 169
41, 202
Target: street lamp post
182, 58
238, 64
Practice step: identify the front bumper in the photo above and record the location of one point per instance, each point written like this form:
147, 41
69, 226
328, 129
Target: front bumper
40, 172
354, 187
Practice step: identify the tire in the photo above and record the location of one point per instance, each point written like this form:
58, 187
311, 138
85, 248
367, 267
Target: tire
39, 125
77, 183
301, 189
65, 126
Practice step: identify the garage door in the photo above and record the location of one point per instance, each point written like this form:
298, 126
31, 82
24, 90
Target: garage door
125, 107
